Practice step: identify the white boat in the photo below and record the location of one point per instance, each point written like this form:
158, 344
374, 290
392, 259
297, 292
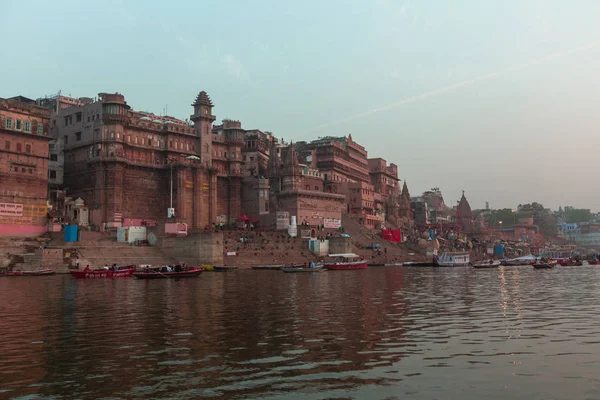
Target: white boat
454, 259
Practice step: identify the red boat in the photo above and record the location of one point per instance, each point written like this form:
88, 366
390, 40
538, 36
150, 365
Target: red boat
593, 262
40, 272
570, 263
348, 261
187, 272
123, 272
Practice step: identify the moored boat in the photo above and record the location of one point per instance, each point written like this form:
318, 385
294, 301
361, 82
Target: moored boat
267, 267
347, 261
593, 262
570, 263
302, 268
486, 264
39, 272
544, 265
453, 259
419, 264
123, 272
189, 272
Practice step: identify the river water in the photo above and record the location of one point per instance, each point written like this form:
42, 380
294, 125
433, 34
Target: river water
380, 333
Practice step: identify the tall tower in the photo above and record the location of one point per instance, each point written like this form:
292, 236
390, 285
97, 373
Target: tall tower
203, 120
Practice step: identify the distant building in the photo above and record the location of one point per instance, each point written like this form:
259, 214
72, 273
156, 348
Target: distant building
24, 142
464, 215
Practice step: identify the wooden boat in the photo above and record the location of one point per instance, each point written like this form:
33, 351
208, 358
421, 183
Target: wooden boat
346, 265
39, 272
486, 264
593, 262
190, 272
453, 259
267, 267
302, 268
123, 272
376, 264
225, 268
570, 263
542, 265
420, 264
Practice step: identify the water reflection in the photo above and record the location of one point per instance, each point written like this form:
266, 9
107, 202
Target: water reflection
377, 333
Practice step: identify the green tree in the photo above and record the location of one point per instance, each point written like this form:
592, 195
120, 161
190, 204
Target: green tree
577, 215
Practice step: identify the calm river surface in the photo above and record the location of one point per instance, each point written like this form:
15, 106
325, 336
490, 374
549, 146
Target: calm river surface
381, 333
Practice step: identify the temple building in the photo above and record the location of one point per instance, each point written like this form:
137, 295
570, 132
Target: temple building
464, 215
24, 141
405, 211
137, 165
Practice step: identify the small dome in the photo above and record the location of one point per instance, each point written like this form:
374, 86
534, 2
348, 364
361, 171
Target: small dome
79, 201
158, 121
145, 119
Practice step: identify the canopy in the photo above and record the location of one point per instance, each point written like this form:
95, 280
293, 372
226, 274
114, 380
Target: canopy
345, 255
243, 218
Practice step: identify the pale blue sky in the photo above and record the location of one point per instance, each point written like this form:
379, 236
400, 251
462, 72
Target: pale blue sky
313, 68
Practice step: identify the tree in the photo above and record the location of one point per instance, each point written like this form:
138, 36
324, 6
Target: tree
577, 215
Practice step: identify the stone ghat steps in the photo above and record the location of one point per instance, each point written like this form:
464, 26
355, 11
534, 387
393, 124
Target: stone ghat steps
122, 255
360, 234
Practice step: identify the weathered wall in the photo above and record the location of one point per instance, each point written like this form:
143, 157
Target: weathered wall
196, 249
340, 245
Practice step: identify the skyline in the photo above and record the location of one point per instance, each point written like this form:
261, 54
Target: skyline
503, 91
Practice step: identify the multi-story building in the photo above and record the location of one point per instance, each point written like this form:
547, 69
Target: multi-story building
341, 161
255, 154
298, 190
227, 144
367, 203
131, 164
384, 179
24, 141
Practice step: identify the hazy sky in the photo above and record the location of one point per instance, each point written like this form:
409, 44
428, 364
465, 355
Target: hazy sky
523, 126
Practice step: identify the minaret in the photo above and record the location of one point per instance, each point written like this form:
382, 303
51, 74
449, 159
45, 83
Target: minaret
203, 120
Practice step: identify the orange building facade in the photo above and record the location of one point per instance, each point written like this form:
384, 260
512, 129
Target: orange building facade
24, 141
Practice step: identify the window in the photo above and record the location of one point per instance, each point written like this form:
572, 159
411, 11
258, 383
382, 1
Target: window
40, 129
170, 145
66, 139
78, 136
27, 126
52, 174
149, 142
8, 123
78, 117
112, 135
316, 188
7, 145
19, 147
53, 157
89, 118
23, 170
18, 125
27, 148
30, 171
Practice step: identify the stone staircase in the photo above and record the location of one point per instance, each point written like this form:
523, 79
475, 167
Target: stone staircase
101, 248
265, 248
362, 237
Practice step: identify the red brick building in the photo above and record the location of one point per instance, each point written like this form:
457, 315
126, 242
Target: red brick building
24, 143
298, 190
384, 179
131, 164
227, 141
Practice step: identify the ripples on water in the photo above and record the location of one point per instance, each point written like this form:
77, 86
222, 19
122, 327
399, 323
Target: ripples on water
381, 333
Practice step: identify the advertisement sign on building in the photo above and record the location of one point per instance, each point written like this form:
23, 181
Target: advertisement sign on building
283, 220
11, 210
332, 223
